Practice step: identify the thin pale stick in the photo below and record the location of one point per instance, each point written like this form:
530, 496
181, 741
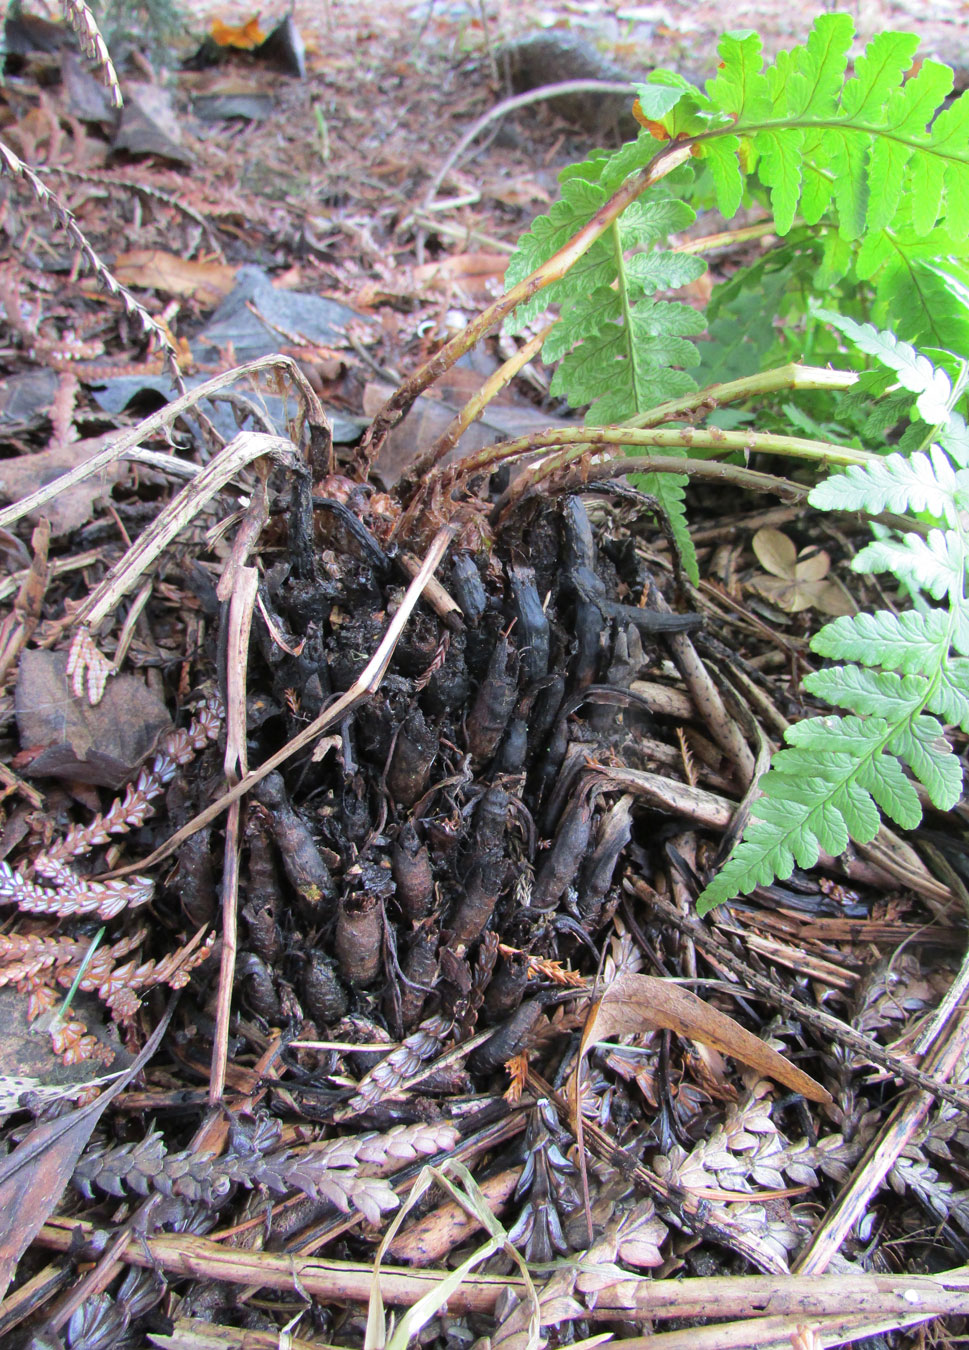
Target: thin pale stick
241, 608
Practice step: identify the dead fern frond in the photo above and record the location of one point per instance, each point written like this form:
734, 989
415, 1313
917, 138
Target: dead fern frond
389, 1076
49, 885
335, 1170
64, 217
93, 46
63, 430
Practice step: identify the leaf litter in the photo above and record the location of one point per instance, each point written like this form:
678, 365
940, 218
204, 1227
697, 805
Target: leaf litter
459, 883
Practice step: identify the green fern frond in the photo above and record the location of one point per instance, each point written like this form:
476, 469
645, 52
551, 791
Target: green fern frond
903, 642
915, 372
619, 350
936, 565
859, 147
838, 772
920, 482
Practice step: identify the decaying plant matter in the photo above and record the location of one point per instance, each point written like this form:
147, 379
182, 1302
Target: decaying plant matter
421, 874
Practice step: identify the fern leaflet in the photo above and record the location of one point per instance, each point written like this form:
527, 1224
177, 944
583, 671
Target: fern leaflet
839, 772
868, 160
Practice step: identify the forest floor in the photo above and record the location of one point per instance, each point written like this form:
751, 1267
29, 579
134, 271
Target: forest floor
389, 953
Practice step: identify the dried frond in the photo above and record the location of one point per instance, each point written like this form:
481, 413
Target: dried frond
517, 1068
87, 667
939, 1196
24, 956
550, 1187
101, 1321
63, 429
386, 1078
74, 895
686, 756
549, 970
118, 990
93, 45
131, 811
70, 894
16, 167
330, 1171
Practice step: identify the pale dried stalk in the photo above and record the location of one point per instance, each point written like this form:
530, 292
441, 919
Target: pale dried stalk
240, 452
181, 1254
780, 1333
128, 443
241, 608
87, 667
476, 405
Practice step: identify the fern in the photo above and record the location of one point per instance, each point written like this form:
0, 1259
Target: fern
619, 349
876, 173
840, 772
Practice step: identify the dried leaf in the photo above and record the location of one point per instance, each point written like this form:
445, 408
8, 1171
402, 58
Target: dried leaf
775, 552
474, 273
154, 269
797, 581
635, 1003
69, 738
34, 1175
72, 507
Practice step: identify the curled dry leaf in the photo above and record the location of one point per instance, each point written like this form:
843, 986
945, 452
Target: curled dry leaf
797, 581
635, 1003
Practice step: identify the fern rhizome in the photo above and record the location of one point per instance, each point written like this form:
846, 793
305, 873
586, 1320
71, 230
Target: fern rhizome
863, 180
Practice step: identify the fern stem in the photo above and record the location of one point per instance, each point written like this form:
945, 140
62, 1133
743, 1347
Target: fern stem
576, 474
713, 439
743, 234
633, 349
476, 405
663, 162
791, 376
835, 124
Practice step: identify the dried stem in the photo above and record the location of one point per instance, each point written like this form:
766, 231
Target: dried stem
400, 402
16, 167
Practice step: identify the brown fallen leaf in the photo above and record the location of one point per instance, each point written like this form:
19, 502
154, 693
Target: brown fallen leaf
797, 581
34, 1175
635, 1003
154, 269
70, 508
474, 273
244, 36
63, 736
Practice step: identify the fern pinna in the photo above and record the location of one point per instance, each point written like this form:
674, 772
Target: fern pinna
867, 168
901, 675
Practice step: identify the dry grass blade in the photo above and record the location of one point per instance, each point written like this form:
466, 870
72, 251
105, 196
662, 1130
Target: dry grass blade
464, 1190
